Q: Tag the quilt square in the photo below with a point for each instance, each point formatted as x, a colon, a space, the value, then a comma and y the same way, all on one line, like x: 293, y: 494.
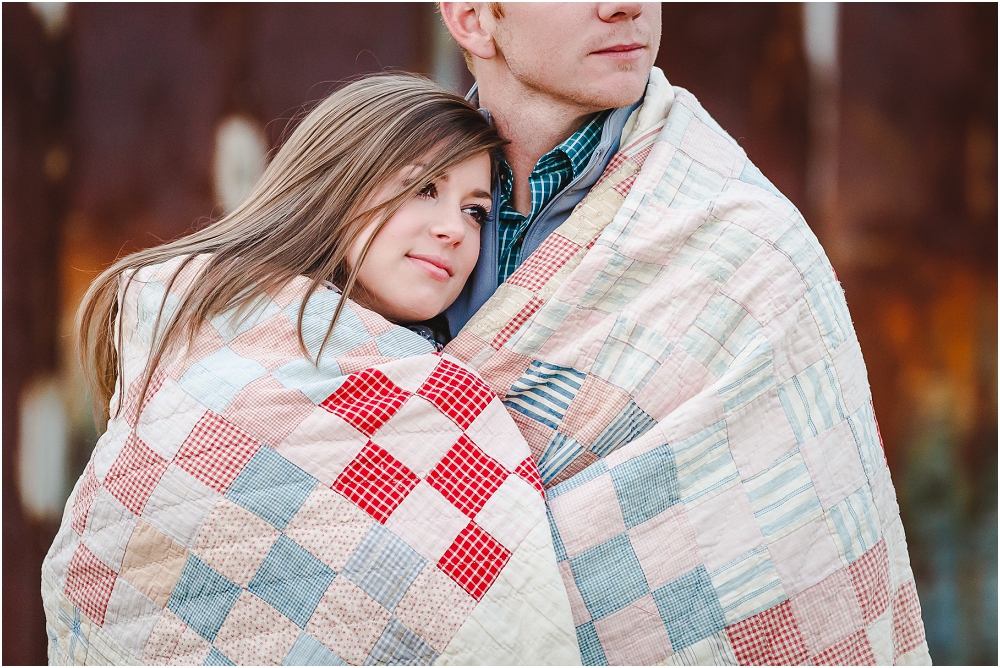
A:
x: 216, y: 379
x: 457, y: 392
x: 474, y: 560
x: 376, y: 481
x: 272, y: 342
x: 544, y: 392
x: 109, y: 525
x: 291, y: 580
x: 528, y: 472
x: 179, y: 505
x: 590, y: 645
x: 418, y: 435
x: 560, y: 453
x: 342, y: 443
x: 85, y: 492
x: 130, y: 617
x: 853, y: 651
x: 609, y: 576
x: 662, y: 563
x: 536, y: 434
x: 427, y: 521
x: 202, y: 598
x: 631, y: 355
x: 834, y: 464
x: 314, y: 382
x: 175, y: 643
x: 215, y: 452
x: 783, y: 497
x: 595, y: 406
x: 577, y: 466
x: 747, y: 585
x: 307, y: 651
x: 131, y: 408
x: 234, y: 542
x: 495, y: 436
x: 329, y: 526
x: 872, y: 581
x: 268, y: 411
x: 366, y: 400
x: 587, y: 515
x: 634, y: 636
x: 168, y: 419
x: 771, y: 638
x: 805, y: 557
x: 435, y: 607
x: 811, y: 401
x: 89, y: 583
x: 384, y: 566
x: 690, y: 608
x: 724, y: 527
x: 232, y: 322
x: 240, y: 637
x: 347, y: 621
x: 467, y: 476
x: 646, y: 485
x: 760, y: 436
x: 631, y: 423
x: 854, y: 524
x: 153, y: 577
x: 705, y: 464
x: 272, y: 487
x: 399, y: 646
x: 134, y: 474
x: 513, y: 511
x: 907, y: 625
x: 410, y: 373
x: 828, y: 612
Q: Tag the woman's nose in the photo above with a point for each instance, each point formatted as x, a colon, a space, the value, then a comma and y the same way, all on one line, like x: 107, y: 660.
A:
x: 450, y: 227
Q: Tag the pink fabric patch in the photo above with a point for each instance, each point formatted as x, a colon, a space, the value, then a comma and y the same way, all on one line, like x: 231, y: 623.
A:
x: 89, y: 583
x: 635, y: 635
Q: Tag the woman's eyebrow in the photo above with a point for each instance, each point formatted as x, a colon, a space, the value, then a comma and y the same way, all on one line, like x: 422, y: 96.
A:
x: 482, y: 193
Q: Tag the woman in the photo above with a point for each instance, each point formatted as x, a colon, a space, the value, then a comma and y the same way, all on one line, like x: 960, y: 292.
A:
x: 289, y: 475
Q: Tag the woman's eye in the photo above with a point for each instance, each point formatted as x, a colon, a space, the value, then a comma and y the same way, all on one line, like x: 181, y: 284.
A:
x: 478, y: 213
x: 429, y: 190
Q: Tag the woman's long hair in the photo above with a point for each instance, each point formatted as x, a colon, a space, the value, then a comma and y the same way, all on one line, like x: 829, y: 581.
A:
x: 301, y: 217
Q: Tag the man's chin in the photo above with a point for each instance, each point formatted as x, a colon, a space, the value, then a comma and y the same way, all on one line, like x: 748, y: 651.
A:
x: 620, y: 89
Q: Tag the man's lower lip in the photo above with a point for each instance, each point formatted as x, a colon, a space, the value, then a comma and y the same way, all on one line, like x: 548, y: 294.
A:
x: 630, y: 53
x: 434, y: 271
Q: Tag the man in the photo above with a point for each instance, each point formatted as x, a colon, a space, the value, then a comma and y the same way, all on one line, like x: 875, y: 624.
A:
x: 673, y: 344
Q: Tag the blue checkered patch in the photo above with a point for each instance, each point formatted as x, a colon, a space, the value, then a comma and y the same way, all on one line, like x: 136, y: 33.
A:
x: 590, y: 645
x: 399, y: 646
x: 217, y: 658
x: 272, y: 487
x: 383, y: 566
x: 307, y: 651
x: 203, y: 598
x: 557, y: 541
x: 646, y: 485
x: 689, y: 608
x: 609, y: 576
x: 216, y: 379
x: 292, y: 580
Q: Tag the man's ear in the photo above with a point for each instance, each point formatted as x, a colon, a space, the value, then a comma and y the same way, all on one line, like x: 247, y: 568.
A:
x: 470, y: 23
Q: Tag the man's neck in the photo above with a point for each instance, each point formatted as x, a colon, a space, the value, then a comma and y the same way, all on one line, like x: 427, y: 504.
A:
x: 534, y: 124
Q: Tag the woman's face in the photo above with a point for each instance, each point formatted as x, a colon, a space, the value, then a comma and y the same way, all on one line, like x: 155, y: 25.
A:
x: 419, y: 262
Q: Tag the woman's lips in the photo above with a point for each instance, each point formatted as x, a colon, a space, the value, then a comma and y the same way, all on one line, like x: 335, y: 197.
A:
x: 436, y: 267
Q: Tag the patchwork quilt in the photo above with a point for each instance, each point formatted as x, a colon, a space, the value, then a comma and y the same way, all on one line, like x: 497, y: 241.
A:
x: 377, y: 508
x: 680, y: 358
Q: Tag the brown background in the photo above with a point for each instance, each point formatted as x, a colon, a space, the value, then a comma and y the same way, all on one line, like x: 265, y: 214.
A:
x: 108, y: 140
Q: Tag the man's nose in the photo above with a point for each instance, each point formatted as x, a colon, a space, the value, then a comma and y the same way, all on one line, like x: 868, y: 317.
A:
x: 619, y: 11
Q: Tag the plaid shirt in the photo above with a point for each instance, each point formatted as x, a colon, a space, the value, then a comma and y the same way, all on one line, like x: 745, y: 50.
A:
x: 552, y: 173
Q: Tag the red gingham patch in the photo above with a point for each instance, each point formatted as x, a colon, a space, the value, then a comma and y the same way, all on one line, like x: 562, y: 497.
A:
x: 132, y: 398
x: 907, y: 625
x: 376, y: 481
x: 617, y: 161
x: 366, y: 400
x: 542, y: 265
x: 528, y: 310
x: 456, y: 392
x: 852, y: 651
x: 134, y: 474
x: 870, y: 575
x: 529, y: 473
x: 467, y: 476
x: 625, y: 185
x: 215, y: 452
x: 474, y: 560
x: 770, y: 638
x: 89, y: 583
x: 84, y: 497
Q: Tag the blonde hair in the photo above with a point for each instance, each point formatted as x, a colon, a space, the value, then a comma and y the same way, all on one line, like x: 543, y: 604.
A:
x: 308, y: 207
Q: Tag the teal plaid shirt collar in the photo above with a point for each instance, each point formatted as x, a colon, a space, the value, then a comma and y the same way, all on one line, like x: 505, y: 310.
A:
x: 552, y: 173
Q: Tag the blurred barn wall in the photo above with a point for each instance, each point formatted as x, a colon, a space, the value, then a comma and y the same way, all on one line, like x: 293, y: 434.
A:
x: 115, y: 134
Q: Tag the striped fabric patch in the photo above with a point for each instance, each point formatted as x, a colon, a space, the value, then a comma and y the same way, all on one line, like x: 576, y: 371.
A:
x: 544, y: 392
x: 854, y: 523
x: 705, y: 464
x: 747, y: 585
x: 811, y: 401
x: 633, y: 423
x: 783, y: 497
x: 561, y: 451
